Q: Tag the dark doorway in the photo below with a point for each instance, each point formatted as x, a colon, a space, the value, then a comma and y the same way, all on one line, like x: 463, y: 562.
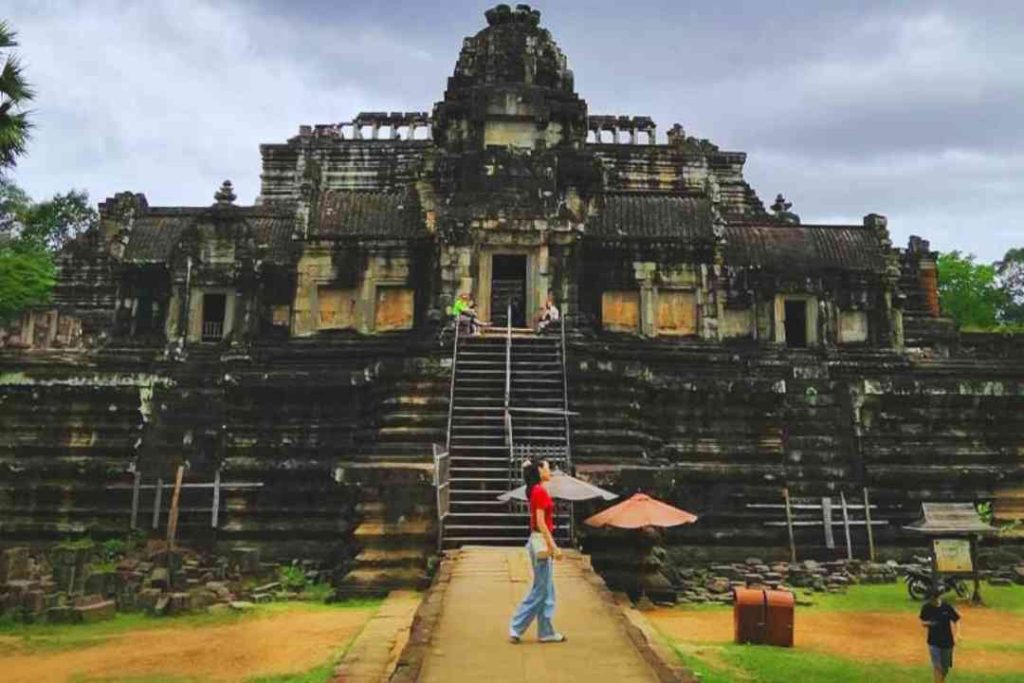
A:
x: 508, y: 286
x: 796, y: 324
x: 214, y: 306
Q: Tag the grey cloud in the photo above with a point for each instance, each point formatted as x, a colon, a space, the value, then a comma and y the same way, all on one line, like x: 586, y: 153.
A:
x: 909, y: 109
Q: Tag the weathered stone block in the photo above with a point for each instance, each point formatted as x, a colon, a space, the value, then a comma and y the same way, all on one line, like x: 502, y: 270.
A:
x: 245, y: 560
x: 160, y: 578
x: 14, y: 564
x: 103, y: 583
x: 97, y: 611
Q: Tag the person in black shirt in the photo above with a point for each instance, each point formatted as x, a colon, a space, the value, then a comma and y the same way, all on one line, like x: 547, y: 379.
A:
x: 943, y: 624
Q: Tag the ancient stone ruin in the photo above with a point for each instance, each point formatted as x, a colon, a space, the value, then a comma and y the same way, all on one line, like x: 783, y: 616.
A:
x: 297, y: 353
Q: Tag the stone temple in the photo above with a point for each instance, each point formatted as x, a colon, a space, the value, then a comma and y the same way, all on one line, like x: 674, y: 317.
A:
x: 297, y: 353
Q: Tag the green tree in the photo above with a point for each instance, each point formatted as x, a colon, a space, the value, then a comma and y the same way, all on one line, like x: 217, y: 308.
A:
x: 31, y: 233
x: 15, y: 93
x: 1010, y: 273
x: 54, y: 222
x: 969, y: 292
x: 27, y: 276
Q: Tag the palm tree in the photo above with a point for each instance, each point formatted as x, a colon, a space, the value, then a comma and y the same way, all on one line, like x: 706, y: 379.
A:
x: 14, y: 93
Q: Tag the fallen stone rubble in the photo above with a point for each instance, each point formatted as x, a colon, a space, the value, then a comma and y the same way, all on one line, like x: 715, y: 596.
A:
x: 716, y: 582
x: 72, y: 583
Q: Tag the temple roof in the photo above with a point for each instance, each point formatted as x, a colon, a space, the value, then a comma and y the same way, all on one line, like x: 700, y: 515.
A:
x: 153, y: 238
x: 512, y: 50
x: 637, y: 216
x: 156, y: 232
x: 781, y: 247
x: 382, y: 215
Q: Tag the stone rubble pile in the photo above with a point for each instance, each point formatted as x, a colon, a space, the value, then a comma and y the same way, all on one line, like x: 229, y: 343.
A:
x: 716, y: 582
x: 68, y: 584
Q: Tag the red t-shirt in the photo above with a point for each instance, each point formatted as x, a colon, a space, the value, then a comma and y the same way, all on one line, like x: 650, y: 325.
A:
x: 540, y: 500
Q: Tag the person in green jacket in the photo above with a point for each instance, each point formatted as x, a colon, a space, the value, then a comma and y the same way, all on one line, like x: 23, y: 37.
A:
x: 463, y: 311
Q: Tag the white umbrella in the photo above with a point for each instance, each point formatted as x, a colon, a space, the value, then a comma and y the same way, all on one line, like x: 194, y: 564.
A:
x: 564, y: 487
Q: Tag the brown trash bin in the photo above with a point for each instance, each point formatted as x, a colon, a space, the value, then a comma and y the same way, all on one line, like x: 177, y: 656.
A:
x: 779, y: 605
x: 763, y: 617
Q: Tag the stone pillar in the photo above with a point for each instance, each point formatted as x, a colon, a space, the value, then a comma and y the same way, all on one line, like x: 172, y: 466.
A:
x: 542, y: 282
x: 644, y: 272
x: 368, y: 297
x: 928, y: 277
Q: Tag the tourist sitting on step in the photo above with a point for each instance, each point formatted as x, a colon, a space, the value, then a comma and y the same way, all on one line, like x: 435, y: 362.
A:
x: 464, y: 311
x: 549, y: 314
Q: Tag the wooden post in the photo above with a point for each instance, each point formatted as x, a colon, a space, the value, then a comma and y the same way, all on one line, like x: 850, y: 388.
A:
x: 158, y: 494
x: 846, y: 525
x: 789, y: 526
x: 135, y: 499
x: 867, y: 518
x: 976, y: 597
x: 215, y: 512
x: 826, y: 518
x: 172, y: 516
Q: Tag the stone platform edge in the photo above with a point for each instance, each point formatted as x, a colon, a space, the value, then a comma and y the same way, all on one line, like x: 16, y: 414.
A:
x: 662, y: 660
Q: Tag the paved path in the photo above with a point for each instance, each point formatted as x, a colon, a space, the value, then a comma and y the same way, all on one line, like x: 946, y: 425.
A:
x: 470, y: 642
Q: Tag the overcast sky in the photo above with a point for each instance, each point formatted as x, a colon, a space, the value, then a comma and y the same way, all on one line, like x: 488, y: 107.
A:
x: 913, y: 110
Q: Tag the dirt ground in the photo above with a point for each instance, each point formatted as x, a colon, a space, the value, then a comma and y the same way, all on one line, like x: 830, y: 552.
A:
x: 261, y: 645
x: 895, y: 637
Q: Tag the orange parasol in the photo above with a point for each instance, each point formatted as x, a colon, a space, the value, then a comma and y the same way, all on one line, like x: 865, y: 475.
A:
x: 638, y: 511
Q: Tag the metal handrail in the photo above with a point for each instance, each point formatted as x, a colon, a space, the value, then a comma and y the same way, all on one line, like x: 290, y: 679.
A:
x: 568, y: 441
x: 508, y: 383
x: 565, y: 397
x: 451, y: 392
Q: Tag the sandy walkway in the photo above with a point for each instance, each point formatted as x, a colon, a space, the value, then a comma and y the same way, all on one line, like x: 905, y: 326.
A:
x: 869, y: 636
x: 260, y: 645
x: 471, y: 642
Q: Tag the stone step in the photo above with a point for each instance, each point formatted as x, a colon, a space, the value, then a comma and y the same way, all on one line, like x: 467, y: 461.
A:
x: 384, y: 579
x: 375, y: 558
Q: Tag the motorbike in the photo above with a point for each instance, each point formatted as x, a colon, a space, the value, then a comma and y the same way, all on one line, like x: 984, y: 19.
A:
x: 919, y: 584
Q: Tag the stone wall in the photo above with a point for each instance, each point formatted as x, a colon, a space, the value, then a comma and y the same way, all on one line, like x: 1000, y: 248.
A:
x: 338, y: 433
x: 713, y: 429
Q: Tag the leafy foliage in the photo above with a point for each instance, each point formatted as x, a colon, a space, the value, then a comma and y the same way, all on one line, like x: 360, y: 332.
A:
x: 14, y: 94
x: 1010, y: 272
x: 969, y: 292
x: 27, y: 276
x: 48, y: 224
x: 30, y: 234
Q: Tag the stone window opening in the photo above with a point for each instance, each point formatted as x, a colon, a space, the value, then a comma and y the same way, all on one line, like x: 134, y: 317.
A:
x: 148, y: 314
x: 214, y: 310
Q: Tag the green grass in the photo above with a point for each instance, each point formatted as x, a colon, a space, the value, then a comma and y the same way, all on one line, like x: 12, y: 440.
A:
x: 318, y: 674
x: 54, y: 637
x: 729, y: 663
x: 759, y: 664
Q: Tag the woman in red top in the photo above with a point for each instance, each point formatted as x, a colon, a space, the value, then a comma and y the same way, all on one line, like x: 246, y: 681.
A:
x: 539, y: 603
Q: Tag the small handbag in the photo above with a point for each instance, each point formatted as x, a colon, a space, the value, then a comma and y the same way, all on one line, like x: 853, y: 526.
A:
x: 539, y: 546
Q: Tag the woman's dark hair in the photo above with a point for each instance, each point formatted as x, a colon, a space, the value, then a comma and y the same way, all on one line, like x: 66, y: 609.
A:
x: 531, y: 475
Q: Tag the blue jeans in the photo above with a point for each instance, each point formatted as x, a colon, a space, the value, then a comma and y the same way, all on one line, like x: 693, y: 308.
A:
x: 539, y: 603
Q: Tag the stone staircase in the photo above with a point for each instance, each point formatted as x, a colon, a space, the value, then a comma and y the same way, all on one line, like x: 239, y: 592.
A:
x: 482, y: 463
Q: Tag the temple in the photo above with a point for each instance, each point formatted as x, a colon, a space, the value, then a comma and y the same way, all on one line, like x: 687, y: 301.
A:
x: 715, y: 350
